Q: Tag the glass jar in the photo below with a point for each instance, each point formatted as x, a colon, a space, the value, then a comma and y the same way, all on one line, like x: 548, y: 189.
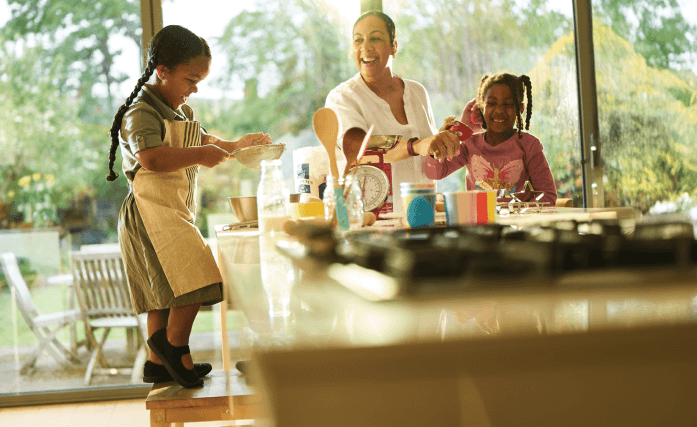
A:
x: 334, y: 203
x: 354, y: 202
x: 272, y: 198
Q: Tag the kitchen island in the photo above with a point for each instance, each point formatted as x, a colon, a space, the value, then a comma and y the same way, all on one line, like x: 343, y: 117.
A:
x: 330, y: 346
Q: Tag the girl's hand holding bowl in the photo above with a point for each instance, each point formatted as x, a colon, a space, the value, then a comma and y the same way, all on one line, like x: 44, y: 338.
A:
x: 250, y: 139
x: 212, y: 155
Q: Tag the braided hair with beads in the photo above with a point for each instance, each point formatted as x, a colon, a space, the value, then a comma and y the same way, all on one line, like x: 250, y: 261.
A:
x: 519, y: 85
x: 172, y: 46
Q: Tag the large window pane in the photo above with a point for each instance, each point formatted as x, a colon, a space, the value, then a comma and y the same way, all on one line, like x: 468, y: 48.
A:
x: 274, y: 62
x: 646, y: 73
x: 449, y: 46
x: 62, y: 69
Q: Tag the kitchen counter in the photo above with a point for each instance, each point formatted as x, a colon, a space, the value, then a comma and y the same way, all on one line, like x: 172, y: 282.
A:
x: 308, y: 299
x: 300, y: 314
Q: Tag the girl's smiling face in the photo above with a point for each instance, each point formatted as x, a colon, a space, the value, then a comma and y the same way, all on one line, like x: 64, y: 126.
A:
x: 499, y: 109
x: 175, y: 86
x: 372, y: 50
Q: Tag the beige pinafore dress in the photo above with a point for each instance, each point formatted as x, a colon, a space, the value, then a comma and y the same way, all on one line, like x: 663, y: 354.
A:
x: 168, y: 262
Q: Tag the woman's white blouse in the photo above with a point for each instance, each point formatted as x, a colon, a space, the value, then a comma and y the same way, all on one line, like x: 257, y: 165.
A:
x: 358, y: 106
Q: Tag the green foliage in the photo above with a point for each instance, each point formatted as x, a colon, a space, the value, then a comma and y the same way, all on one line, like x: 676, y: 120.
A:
x: 656, y: 28
x: 449, y: 48
x: 76, y: 36
x: 296, y: 49
x: 28, y: 273
x: 647, y: 129
x: 51, y: 122
x: 649, y: 150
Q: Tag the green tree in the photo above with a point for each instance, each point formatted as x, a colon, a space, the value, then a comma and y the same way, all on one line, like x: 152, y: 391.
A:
x: 647, y: 128
x: 450, y: 48
x: 53, y: 55
x: 42, y: 134
x: 656, y: 28
x: 77, y: 34
x: 296, y: 50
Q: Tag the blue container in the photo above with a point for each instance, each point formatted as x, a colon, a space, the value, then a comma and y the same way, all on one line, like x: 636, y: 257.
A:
x: 419, y: 204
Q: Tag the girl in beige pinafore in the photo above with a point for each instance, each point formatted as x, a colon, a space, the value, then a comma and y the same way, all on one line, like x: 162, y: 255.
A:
x: 170, y: 269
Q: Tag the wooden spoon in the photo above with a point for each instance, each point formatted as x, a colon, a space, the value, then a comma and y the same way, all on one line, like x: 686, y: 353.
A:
x: 326, y: 126
x: 359, y: 156
x: 352, y: 144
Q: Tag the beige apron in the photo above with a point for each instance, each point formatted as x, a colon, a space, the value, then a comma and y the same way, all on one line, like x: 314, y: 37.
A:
x: 167, y: 204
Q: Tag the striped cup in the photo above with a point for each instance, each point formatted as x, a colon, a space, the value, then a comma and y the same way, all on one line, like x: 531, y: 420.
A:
x: 470, y: 207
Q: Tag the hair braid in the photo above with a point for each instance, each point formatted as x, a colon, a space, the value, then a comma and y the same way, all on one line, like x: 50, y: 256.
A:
x: 483, y: 87
x: 528, y: 93
x: 518, y: 117
x: 118, y: 118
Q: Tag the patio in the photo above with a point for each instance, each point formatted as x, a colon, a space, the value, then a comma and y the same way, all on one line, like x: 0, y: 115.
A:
x: 47, y: 375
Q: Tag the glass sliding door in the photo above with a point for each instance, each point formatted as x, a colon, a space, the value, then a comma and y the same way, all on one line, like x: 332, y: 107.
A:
x: 646, y: 74
x: 65, y: 67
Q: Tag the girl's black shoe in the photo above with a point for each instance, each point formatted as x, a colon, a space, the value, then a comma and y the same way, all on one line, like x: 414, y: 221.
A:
x: 171, y: 357
x: 154, y: 373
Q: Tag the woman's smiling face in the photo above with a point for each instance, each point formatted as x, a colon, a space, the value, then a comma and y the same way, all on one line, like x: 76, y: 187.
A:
x: 499, y: 108
x: 372, y: 49
x: 177, y: 85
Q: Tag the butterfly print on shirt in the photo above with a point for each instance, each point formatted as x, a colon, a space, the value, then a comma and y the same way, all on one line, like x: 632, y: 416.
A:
x: 488, y: 177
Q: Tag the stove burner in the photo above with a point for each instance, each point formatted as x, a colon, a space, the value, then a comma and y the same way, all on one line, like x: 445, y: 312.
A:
x: 503, y: 255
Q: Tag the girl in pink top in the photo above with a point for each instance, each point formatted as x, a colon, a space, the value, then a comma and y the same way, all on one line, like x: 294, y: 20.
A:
x: 504, y: 156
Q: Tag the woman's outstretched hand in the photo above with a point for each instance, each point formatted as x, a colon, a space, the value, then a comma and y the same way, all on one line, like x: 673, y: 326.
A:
x: 472, y: 117
x: 443, y: 145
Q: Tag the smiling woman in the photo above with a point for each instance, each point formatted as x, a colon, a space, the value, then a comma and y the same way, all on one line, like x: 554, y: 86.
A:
x: 393, y: 104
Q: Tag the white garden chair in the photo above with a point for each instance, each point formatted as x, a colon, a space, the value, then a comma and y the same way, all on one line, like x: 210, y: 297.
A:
x: 102, y: 290
x: 44, y: 326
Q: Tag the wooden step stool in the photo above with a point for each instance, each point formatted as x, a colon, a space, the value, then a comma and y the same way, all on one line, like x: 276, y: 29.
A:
x: 173, y: 405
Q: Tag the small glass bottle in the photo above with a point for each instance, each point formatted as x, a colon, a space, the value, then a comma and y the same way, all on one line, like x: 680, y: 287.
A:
x: 272, y: 198
x: 334, y: 202
x: 354, y: 202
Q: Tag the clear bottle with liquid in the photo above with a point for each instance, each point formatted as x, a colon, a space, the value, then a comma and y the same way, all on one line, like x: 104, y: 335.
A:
x: 272, y: 198
x: 354, y: 202
x: 335, y: 203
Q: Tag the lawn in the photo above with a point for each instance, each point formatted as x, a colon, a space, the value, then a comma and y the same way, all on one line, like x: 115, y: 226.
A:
x: 49, y: 299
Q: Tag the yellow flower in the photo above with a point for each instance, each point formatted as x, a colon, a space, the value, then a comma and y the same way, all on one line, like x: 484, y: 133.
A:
x: 10, y: 194
x: 36, y: 176
x: 25, y: 180
x: 50, y: 180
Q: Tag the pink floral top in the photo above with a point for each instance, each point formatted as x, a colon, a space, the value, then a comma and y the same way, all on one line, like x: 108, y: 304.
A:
x: 507, y: 165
